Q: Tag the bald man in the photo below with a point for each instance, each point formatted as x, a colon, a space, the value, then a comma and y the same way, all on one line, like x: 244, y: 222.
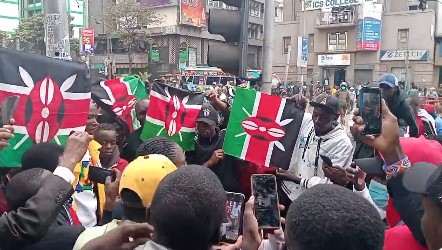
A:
x: 134, y: 140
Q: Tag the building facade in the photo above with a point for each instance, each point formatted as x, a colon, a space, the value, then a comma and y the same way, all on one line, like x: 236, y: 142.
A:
x: 180, y: 40
x: 9, y: 15
x: 12, y: 11
x: 358, y: 43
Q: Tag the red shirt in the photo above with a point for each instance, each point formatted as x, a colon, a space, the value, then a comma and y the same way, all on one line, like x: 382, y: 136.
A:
x: 120, y: 165
x: 400, y: 237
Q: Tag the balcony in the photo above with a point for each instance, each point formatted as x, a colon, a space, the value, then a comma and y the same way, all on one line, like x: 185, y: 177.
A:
x: 339, y: 18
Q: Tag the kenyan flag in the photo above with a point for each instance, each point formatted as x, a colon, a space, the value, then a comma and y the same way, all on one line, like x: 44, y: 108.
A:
x: 262, y: 128
x: 119, y: 97
x: 172, y: 113
x: 54, y: 100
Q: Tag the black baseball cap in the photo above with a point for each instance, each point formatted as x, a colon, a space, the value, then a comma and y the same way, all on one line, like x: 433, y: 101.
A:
x: 327, y: 101
x: 208, y: 115
x: 425, y: 178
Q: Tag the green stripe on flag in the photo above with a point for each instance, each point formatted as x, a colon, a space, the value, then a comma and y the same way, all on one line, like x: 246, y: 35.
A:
x: 242, y: 108
x: 11, y: 156
x: 186, y: 140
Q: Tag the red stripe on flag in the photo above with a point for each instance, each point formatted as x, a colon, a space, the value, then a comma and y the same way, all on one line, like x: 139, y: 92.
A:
x: 157, y: 110
x: 117, y: 87
x: 268, y: 108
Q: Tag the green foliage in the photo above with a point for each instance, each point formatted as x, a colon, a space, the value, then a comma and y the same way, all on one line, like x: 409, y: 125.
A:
x: 130, y: 20
x: 75, y: 46
x: 32, y: 30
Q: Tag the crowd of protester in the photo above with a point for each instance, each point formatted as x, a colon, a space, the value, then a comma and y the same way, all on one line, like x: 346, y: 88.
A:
x: 382, y: 192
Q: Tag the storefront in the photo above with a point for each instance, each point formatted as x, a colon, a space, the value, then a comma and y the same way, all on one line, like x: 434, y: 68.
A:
x: 334, y: 67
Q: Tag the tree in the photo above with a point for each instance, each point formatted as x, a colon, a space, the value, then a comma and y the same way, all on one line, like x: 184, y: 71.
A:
x: 32, y: 30
x: 129, y: 19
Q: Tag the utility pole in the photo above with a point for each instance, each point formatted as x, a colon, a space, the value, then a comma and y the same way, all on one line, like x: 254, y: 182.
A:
x: 407, y: 73
x: 244, y: 42
x: 57, y: 29
x: 269, y: 20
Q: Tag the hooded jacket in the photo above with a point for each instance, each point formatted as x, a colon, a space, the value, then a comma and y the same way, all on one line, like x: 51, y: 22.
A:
x: 306, y: 161
x: 400, y: 107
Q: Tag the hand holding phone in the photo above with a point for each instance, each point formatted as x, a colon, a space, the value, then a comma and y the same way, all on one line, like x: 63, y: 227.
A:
x: 370, y: 109
x: 266, y: 201
x: 326, y: 160
x: 99, y: 175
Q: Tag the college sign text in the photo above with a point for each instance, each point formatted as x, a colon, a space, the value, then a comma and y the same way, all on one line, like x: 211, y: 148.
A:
x: 325, y: 4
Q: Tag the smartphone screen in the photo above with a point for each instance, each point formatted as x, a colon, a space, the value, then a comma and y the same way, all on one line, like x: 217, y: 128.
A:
x: 232, y: 223
x: 370, y: 110
x: 266, y: 201
x: 326, y: 160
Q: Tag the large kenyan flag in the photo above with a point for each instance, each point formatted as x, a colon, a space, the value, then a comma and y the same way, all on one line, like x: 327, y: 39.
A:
x: 119, y: 96
x: 262, y: 128
x: 172, y: 113
x: 54, y: 100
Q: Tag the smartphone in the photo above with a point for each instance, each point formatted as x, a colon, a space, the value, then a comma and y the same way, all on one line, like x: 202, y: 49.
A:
x: 8, y: 108
x: 266, y: 201
x: 327, y: 161
x: 99, y: 175
x: 230, y: 228
x: 370, y: 109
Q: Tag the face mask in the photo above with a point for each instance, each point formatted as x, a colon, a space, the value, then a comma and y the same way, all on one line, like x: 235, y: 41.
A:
x: 379, y: 194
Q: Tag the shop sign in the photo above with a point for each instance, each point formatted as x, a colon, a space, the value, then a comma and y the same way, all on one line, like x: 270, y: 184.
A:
x: 402, y: 55
x: 334, y: 60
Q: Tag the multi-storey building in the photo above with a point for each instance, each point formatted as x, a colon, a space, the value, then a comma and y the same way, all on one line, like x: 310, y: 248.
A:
x: 9, y: 15
x: 344, y: 43
x: 182, y: 30
x: 12, y: 11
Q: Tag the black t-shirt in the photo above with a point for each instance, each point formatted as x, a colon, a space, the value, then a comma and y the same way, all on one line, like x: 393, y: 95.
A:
x: 225, y: 169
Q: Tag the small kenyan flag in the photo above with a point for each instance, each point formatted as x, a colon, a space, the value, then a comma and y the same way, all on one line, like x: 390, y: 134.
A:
x: 172, y: 113
x: 262, y: 128
x: 119, y: 96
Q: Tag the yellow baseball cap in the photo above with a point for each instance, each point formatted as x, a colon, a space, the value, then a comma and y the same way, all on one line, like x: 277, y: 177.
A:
x: 143, y: 175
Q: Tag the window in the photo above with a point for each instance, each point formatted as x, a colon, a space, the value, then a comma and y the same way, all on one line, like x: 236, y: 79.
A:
x: 209, y: 2
x: 311, y: 43
x: 256, y: 32
x: 413, y: 7
x: 337, y: 41
x: 256, y: 9
x: 402, y: 38
x: 286, y: 42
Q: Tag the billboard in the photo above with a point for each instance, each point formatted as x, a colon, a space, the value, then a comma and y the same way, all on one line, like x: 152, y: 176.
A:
x: 327, y: 4
x: 152, y: 3
x: 193, y: 13
x: 301, y: 60
x: 87, y: 41
x: 369, y: 27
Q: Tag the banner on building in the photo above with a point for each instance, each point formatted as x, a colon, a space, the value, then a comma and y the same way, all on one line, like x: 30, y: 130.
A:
x: 401, y: 55
x: 334, y: 60
x: 152, y: 3
x: 301, y: 60
x: 369, y: 27
x: 193, y: 13
x: 326, y: 4
x: 87, y: 41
